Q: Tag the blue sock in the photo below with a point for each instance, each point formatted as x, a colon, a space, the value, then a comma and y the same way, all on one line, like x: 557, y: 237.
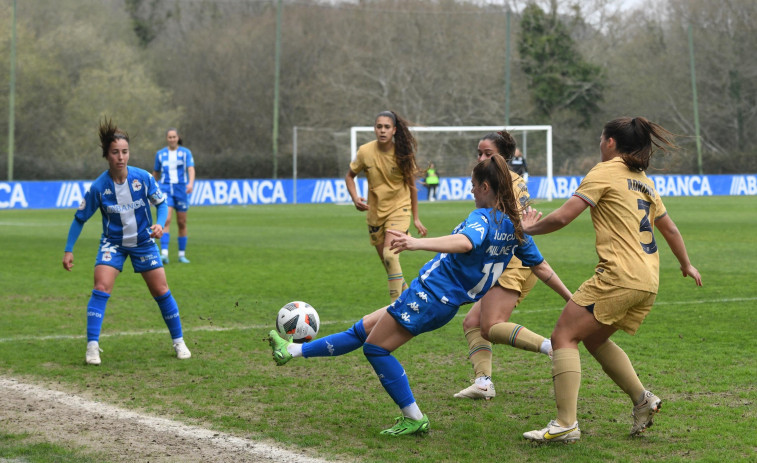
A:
x: 390, y: 373
x: 170, y: 310
x: 164, y: 240
x: 336, y: 344
x: 95, y: 314
x: 182, y: 243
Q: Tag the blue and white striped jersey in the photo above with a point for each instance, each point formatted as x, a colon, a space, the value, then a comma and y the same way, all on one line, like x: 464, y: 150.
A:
x: 173, y: 165
x: 125, y: 207
x: 462, y: 278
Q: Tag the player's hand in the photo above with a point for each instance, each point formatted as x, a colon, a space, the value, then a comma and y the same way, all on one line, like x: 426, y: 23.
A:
x: 190, y: 187
x: 157, y: 231
x: 401, y: 241
x: 529, y: 218
x: 68, y: 260
x: 421, y: 229
x: 691, y: 271
x: 360, y: 204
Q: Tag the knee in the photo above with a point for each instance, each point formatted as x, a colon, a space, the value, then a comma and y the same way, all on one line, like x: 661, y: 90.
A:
x: 469, y: 322
x: 372, y: 351
x: 391, y: 260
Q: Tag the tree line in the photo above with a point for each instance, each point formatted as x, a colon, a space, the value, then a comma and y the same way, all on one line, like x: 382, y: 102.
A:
x: 207, y: 68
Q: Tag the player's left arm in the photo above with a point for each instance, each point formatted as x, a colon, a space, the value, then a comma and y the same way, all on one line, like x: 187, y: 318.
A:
x: 191, y: 182
x: 674, y: 239
x: 414, y: 210
x: 550, y: 278
x: 452, y: 244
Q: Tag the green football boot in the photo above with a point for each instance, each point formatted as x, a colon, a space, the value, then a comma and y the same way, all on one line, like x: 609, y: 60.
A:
x: 279, y: 346
x: 406, y: 426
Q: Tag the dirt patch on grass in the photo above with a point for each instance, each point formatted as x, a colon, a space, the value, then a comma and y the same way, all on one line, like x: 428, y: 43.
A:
x: 121, y: 435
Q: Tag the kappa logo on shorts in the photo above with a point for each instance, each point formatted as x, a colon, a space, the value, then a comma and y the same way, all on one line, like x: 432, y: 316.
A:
x: 422, y: 295
x: 414, y: 306
x: 405, y: 317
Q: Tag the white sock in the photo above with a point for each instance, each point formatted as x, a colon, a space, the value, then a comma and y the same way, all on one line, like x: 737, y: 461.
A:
x: 484, y: 381
x: 546, y: 346
x: 178, y: 340
x: 412, y: 411
x: 181, y: 253
x: 295, y: 349
x: 164, y: 252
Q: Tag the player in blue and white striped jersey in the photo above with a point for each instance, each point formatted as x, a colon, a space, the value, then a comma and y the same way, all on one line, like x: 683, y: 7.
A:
x: 468, y: 263
x: 175, y: 169
x: 124, y: 195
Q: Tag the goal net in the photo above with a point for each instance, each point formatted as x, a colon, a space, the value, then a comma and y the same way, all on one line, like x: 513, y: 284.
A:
x: 452, y: 149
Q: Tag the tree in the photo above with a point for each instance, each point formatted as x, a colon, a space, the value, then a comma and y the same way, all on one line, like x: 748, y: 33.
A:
x: 559, y: 77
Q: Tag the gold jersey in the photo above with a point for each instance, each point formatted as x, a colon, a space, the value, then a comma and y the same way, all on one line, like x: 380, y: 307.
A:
x: 624, y: 205
x: 520, y: 188
x: 387, y: 191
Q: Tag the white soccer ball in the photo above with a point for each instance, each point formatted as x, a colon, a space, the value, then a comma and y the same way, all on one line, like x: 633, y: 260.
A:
x: 299, y: 320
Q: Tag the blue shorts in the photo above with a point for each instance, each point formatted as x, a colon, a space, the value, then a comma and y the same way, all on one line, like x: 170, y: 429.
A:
x: 176, y: 196
x: 420, y: 311
x: 143, y: 258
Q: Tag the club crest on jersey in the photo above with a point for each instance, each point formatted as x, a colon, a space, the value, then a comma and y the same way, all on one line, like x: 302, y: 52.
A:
x: 136, y: 185
x: 82, y: 204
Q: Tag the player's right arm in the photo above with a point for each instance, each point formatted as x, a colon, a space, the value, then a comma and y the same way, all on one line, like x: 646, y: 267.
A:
x: 556, y: 220
x: 73, y: 234
x: 452, y: 244
x: 358, y: 201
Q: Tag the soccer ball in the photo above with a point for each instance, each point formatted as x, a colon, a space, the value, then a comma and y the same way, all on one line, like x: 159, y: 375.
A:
x: 299, y: 320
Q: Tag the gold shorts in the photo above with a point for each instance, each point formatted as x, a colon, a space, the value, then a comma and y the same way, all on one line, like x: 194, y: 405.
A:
x: 517, y: 279
x: 620, y: 307
x: 398, y: 220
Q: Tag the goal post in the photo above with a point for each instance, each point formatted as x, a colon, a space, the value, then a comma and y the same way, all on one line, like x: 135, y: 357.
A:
x: 513, y: 129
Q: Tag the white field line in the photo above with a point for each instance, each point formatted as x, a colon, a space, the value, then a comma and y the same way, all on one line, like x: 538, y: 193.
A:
x: 334, y: 322
x: 218, y: 439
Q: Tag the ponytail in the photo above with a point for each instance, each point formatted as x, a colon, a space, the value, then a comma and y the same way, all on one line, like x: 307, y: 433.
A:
x: 638, y: 139
x: 495, y: 172
x: 109, y: 133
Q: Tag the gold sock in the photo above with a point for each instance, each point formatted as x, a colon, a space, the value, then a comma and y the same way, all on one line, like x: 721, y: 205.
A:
x: 479, y: 352
x: 395, y: 280
x: 516, y: 336
x: 618, y: 367
x: 566, y: 376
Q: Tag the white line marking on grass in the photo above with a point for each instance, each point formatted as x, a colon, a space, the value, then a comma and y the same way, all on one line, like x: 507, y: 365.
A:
x: 323, y: 323
x: 215, y: 438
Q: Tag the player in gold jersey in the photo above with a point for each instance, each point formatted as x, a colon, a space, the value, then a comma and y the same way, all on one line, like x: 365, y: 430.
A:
x: 389, y: 166
x: 488, y: 321
x: 625, y: 209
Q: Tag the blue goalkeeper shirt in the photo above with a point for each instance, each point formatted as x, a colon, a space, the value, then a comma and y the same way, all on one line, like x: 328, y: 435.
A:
x: 462, y: 278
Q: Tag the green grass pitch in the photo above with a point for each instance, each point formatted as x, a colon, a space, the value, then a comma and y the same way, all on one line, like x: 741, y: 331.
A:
x: 696, y: 350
